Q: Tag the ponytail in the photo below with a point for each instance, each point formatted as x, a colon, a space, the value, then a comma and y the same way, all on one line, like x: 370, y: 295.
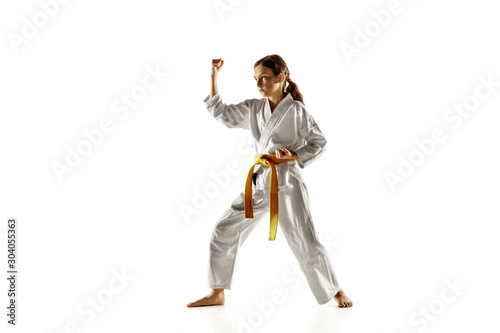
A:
x: 293, y: 88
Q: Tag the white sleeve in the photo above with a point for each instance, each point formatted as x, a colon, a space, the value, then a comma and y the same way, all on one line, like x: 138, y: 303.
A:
x: 232, y: 115
x: 315, y: 141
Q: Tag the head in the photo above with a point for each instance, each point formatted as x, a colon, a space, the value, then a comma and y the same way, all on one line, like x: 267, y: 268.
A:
x: 271, y: 74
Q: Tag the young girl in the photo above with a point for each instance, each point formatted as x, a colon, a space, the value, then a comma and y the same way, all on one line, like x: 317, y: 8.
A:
x: 287, y: 139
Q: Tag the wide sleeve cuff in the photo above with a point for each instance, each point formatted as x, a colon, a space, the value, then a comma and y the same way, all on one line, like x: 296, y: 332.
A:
x: 300, y: 157
x: 211, y: 102
x: 309, y: 153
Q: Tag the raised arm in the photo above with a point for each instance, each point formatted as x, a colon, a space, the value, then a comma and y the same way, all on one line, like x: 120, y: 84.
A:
x: 216, y: 67
x: 230, y: 115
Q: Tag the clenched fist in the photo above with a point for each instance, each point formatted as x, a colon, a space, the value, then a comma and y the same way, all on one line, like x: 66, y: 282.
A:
x: 216, y: 66
x: 285, y: 154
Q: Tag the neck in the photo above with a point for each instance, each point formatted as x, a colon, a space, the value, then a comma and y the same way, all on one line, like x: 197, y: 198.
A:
x: 275, y: 99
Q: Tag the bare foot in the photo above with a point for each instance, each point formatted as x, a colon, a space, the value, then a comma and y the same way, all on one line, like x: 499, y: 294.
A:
x: 343, y: 300
x: 216, y: 297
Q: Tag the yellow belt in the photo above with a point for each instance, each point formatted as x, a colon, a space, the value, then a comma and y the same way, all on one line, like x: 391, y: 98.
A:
x: 266, y: 160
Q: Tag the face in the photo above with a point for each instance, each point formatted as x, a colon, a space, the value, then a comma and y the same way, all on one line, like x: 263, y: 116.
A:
x: 268, y: 84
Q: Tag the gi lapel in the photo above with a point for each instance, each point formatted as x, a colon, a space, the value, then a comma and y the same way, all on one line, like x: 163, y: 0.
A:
x: 274, y: 120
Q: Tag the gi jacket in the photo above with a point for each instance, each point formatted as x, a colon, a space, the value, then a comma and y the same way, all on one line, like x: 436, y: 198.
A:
x: 289, y: 126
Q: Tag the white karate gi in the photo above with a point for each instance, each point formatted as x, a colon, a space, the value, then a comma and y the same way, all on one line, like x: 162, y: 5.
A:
x: 289, y: 126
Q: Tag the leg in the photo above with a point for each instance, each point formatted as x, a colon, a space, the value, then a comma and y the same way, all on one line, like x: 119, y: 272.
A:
x: 296, y: 223
x: 228, y: 235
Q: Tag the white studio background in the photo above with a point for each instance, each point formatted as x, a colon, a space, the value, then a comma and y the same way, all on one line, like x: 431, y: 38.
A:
x: 427, y: 73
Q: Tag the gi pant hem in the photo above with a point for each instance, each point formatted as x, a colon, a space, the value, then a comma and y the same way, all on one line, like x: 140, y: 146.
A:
x: 329, y: 298
x: 221, y: 287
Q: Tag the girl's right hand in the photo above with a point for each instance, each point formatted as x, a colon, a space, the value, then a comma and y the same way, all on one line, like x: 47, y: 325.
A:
x: 216, y: 66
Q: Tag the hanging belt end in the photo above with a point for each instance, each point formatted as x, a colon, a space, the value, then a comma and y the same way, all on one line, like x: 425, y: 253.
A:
x: 249, y: 212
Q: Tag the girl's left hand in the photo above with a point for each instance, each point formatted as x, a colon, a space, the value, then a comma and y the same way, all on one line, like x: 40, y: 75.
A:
x: 285, y: 154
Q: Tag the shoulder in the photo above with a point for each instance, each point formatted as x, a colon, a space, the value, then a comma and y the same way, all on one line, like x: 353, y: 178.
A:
x: 302, y: 114
x: 300, y: 110
x: 299, y: 105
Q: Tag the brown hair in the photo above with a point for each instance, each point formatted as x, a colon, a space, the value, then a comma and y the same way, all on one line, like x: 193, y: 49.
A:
x: 278, y: 65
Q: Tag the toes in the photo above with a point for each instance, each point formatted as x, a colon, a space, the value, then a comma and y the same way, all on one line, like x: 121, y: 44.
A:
x: 345, y: 304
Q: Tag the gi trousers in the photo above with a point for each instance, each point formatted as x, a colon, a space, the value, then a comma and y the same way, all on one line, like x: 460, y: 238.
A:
x: 294, y: 220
